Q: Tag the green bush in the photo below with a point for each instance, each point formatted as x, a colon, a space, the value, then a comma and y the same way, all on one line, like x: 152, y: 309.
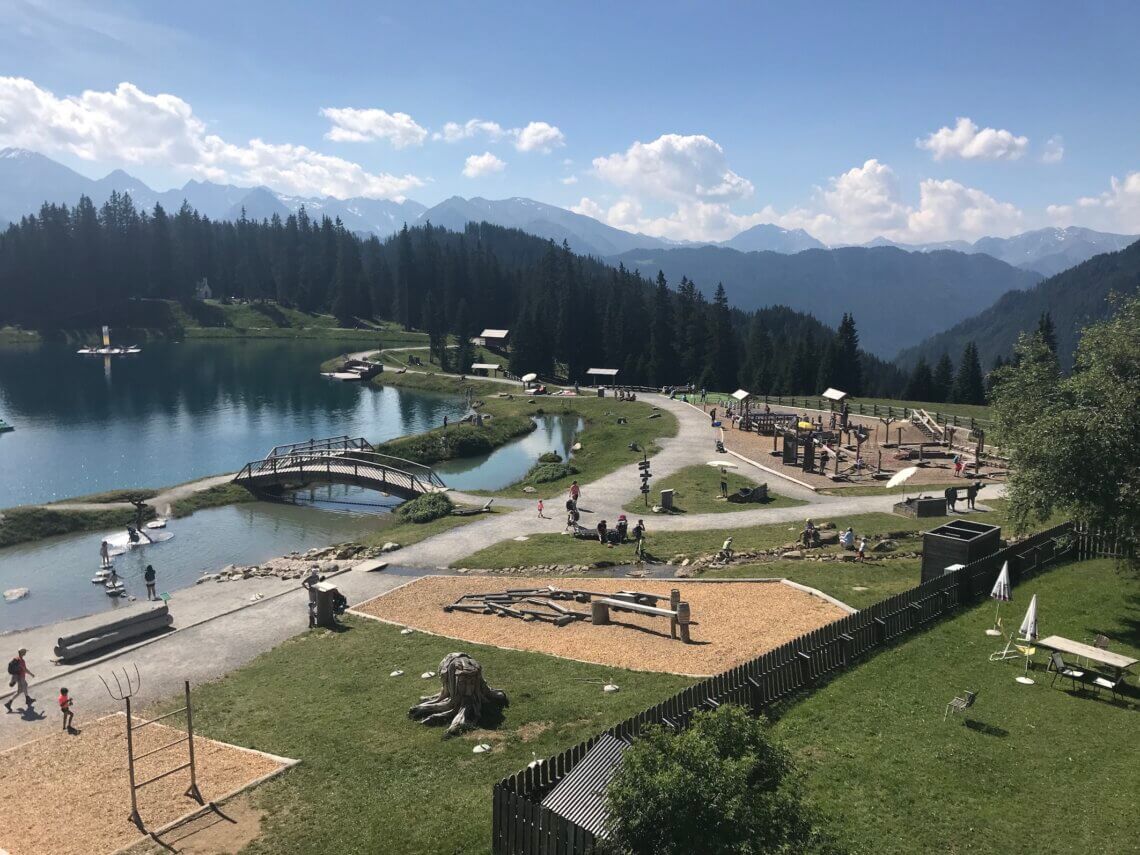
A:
x: 550, y: 457
x: 425, y: 508
x: 721, y: 786
x: 544, y: 473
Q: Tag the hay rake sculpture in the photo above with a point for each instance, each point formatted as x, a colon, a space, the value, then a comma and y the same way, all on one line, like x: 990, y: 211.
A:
x: 124, y: 694
x: 461, y: 698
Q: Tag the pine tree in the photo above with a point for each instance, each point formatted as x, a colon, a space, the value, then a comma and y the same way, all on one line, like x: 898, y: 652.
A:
x: 943, y: 380
x: 848, y: 360
x: 920, y: 386
x: 722, y: 353
x: 1047, y: 332
x: 969, y: 385
x: 662, y: 353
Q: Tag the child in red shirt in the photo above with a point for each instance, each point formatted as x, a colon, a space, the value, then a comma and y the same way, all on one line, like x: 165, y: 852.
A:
x: 65, y: 703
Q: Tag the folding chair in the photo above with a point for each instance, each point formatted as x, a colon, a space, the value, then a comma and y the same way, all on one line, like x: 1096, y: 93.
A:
x: 1098, y: 682
x: 960, y: 703
x: 1057, y: 662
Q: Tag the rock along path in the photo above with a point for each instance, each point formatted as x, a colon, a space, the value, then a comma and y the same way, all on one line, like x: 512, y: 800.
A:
x: 219, y: 627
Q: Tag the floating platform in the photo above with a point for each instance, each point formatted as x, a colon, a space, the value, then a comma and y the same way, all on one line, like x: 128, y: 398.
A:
x: 109, y: 351
x: 5, y: 427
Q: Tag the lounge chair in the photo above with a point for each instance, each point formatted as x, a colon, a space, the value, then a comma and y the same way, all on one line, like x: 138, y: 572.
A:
x: 960, y: 703
x: 1060, y: 669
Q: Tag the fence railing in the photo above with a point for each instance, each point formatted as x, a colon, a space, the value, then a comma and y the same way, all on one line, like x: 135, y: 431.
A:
x: 522, y: 826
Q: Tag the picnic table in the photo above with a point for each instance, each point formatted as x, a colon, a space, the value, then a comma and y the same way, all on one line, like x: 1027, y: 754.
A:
x: 1086, y: 651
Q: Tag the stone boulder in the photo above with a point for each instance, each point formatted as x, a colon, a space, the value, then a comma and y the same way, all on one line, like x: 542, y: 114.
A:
x: 885, y: 546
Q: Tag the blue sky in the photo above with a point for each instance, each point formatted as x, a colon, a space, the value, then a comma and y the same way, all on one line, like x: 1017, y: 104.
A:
x: 687, y: 120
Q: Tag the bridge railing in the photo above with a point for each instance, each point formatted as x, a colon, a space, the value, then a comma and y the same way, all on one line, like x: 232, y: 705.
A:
x: 361, y: 466
x: 343, y: 444
x: 421, y: 470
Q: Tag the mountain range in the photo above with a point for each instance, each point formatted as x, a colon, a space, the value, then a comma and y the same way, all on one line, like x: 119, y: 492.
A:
x: 1073, y: 298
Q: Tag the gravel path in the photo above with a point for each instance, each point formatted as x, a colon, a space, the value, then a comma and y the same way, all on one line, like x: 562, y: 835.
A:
x: 161, y: 502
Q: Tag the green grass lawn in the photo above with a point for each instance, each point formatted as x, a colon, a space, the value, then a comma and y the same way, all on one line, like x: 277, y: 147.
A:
x: 880, y: 490
x: 670, y: 545
x: 697, y: 491
x: 371, y: 779
x: 1027, y: 769
x: 407, y: 533
x: 33, y: 522
x: 877, y: 578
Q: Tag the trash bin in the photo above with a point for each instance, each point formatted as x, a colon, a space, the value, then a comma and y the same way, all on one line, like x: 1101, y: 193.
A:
x: 601, y: 392
x: 326, y: 594
x: 667, y: 499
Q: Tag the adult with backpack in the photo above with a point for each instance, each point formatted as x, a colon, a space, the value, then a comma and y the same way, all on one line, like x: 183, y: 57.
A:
x: 18, y: 675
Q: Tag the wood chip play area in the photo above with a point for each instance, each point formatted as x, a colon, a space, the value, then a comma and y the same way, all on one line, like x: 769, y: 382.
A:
x: 732, y: 622
x: 69, y: 794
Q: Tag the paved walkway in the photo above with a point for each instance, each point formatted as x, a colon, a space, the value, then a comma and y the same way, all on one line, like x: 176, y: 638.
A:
x: 219, y: 628
x: 162, y: 501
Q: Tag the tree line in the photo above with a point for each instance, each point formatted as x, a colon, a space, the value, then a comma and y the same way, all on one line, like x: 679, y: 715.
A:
x: 82, y: 266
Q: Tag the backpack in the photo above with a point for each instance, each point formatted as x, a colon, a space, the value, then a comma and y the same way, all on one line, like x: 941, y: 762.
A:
x: 14, y: 667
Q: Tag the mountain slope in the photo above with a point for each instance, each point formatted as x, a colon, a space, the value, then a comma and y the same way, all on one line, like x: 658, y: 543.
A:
x: 1074, y: 298
x: 898, y: 298
x: 767, y: 237
x: 585, y: 235
x: 1045, y: 251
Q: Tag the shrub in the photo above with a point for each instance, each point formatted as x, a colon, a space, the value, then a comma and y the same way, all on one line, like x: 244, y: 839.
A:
x: 425, y: 508
x: 719, y: 787
x: 550, y: 457
x: 544, y: 473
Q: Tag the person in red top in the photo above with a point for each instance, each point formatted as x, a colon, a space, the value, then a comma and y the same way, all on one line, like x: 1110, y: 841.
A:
x: 575, y: 492
x: 65, y: 703
x: 18, y: 676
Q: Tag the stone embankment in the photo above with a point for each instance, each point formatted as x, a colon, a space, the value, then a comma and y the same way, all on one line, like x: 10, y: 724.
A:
x: 296, y: 565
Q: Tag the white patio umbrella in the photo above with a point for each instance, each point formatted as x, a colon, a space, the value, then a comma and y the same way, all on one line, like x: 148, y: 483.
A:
x: 723, y: 464
x: 1003, y: 593
x: 902, y: 476
x: 1028, y: 631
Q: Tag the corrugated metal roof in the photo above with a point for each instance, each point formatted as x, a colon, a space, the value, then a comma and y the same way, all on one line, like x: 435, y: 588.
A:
x: 581, y: 796
x: 495, y: 333
x: 607, y: 372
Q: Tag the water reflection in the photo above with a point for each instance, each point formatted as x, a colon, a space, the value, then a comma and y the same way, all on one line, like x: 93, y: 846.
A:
x: 177, y: 412
x: 508, y: 464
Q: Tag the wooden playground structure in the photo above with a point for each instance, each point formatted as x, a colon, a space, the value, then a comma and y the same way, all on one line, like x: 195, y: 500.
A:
x: 546, y: 605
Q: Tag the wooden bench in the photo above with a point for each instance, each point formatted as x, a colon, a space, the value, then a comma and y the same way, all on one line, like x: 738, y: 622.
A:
x: 678, y: 612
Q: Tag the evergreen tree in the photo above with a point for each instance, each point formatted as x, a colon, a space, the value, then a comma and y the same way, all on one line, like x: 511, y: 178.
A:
x: 943, y: 380
x: 662, y: 353
x: 1047, y: 332
x: 920, y: 386
x: 969, y: 385
x: 848, y: 359
x: 722, y: 352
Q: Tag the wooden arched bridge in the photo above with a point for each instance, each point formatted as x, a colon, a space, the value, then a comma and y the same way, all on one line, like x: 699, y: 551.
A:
x: 338, y: 460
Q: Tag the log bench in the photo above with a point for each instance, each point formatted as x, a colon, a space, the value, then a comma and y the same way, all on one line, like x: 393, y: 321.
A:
x: 678, y: 613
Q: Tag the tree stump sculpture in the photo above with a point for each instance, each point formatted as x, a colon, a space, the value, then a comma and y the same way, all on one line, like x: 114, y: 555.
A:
x: 462, y: 697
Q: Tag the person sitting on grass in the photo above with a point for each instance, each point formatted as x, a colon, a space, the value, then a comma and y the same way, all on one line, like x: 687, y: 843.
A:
x: 602, y: 532
x: 65, y: 702
x: 847, y: 539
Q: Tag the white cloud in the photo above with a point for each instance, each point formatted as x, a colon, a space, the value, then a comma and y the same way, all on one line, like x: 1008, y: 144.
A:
x: 867, y: 197
x: 1054, y: 150
x: 676, y: 168
x: 536, y: 136
x: 1117, y: 209
x: 951, y: 211
x: 352, y: 125
x: 688, y: 221
x: 131, y: 126
x: 454, y: 132
x: 966, y: 141
x: 569, y: 179
x: 478, y: 165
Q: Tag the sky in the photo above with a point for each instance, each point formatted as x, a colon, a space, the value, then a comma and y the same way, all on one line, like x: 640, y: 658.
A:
x: 686, y: 120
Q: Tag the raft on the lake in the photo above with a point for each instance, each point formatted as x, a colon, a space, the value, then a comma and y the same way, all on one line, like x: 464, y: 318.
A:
x: 99, y: 633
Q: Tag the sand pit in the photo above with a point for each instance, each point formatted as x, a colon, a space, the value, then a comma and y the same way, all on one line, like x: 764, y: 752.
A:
x: 68, y: 795
x: 736, y: 621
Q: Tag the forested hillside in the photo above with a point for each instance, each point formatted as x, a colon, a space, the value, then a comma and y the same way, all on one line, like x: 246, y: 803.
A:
x: 1072, y: 300
x: 83, y: 266
x: 901, y: 297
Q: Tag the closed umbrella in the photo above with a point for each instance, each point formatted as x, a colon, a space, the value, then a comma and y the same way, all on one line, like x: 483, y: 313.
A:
x: 1003, y: 593
x: 1028, y: 632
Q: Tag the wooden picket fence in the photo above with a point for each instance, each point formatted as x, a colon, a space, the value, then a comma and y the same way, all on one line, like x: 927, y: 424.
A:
x: 522, y: 826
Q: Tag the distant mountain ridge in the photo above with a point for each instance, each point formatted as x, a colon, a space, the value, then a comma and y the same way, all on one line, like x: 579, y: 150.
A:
x: 1046, y: 251
x: 898, y: 298
x: 1073, y: 298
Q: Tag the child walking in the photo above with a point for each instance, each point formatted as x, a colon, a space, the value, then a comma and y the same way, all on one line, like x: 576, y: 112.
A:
x: 861, y: 552
x: 65, y: 703
x: 541, y: 515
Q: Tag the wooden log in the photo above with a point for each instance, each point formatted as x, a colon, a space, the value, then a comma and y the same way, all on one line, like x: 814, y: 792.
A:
x: 599, y: 613
x: 683, y: 619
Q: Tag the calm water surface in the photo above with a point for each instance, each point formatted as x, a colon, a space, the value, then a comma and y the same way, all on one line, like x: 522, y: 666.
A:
x: 507, y: 464
x: 177, y: 412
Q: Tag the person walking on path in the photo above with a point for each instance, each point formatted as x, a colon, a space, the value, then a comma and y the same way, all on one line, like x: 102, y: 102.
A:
x: 957, y: 465
x: 309, y: 584
x: 861, y: 552
x: 712, y: 416
x: 65, y: 702
x: 541, y: 515
x: 104, y: 555
x: 951, y: 498
x: 575, y: 492
x: 972, y: 494
x: 18, y: 675
x: 148, y: 577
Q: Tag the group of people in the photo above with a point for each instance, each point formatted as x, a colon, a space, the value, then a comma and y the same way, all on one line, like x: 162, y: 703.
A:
x: 18, y: 674
x: 610, y: 537
x: 113, y: 580
x: 810, y: 538
x: 972, y: 491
